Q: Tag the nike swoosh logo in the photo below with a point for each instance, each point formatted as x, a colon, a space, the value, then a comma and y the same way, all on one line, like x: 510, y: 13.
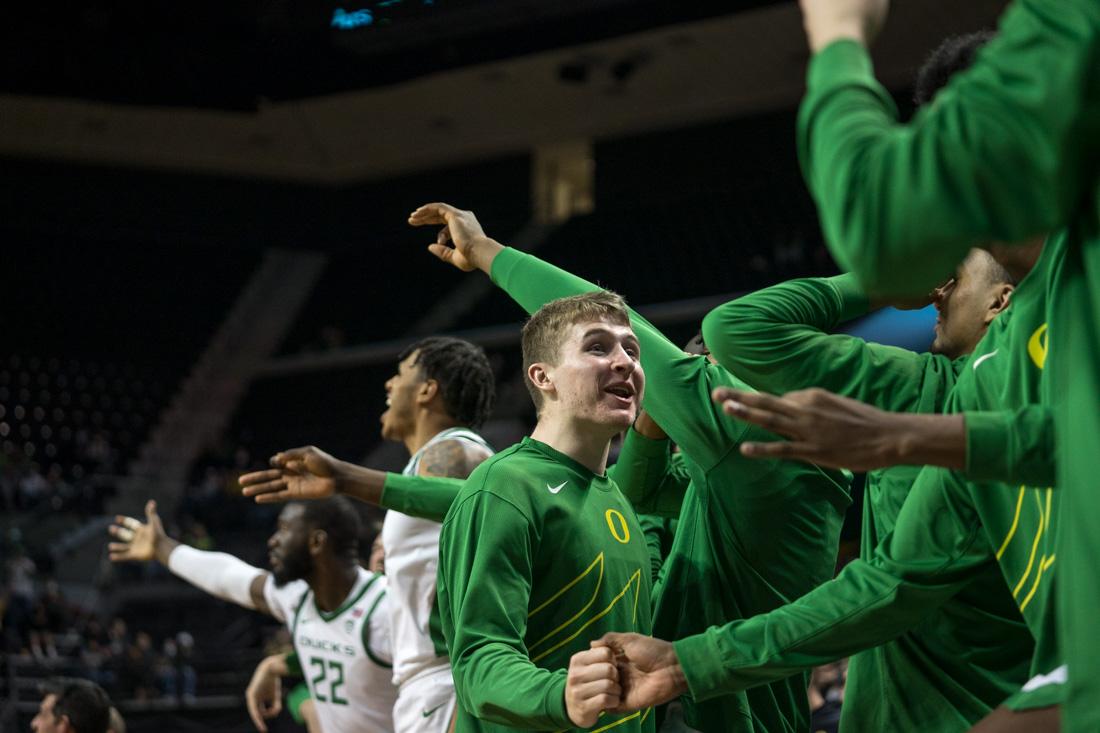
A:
x: 428, y: 713
x: 980, y: 359
x: 556, y: 489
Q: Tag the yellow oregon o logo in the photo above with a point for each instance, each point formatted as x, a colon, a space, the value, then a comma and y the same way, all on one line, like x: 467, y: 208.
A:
x: 1037, y: 346
x: 614, y: 516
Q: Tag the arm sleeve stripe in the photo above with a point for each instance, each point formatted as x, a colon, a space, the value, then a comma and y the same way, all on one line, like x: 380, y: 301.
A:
x: 297, y: 613
x: 366, y: 633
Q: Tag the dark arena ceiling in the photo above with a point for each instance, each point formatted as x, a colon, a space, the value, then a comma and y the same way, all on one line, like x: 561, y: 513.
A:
x: 335, y: 92
x: 232, y: 55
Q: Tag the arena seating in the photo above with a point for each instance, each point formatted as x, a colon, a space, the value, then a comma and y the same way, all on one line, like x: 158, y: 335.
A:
x: 77, y: 398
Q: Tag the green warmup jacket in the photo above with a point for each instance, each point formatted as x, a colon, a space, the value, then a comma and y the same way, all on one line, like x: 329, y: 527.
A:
x: 537, y: 557
x: 946, y: 673
x: 430, y: 497
x: 1009, y: 150
x: 949, y: 532
x: 752, y: 535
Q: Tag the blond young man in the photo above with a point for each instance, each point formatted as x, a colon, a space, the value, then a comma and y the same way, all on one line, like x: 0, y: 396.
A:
x: 540, y: 550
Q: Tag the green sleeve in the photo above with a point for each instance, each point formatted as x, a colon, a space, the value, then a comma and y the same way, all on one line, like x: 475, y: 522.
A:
x: 936, y: 548
x: 999, y: 155
x: 678, y: 385
x: 426, y: 497
x: 777, y: 339
x: 484, y: 591
x: 657, y: 537
x: 1012, y: 446
x: 297, y: 697
x: 650, y: 475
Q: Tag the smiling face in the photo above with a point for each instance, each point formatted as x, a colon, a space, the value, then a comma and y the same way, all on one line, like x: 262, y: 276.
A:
x: 288, y: 547
x: 597, y: 378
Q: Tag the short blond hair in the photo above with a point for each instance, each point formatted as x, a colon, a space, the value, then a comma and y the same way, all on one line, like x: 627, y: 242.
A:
x: 546, y: 330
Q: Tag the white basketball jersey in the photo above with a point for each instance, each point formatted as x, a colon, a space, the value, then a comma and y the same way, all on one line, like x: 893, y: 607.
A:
x: 345, y: 655
x: 412, y: 557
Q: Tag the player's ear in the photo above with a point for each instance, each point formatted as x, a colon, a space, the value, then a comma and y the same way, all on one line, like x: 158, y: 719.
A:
x: 539, y: 374
x: 429, y: 388
x: 1001, y: 297
x: 317, y: 540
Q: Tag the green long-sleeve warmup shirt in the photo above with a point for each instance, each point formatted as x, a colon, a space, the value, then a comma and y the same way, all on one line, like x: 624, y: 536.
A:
x: 429, y: 497
x: 537, y: 557
x: 752, y: 535
x: 943, y: 674
x: 1010, y: 149
x: 948, y: 533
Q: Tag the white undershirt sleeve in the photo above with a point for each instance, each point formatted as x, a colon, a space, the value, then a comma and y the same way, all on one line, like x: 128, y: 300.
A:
x: 217, y: 573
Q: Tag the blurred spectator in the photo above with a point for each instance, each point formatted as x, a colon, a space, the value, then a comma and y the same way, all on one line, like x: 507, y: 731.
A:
x: 25, y: 488
x: 100, y: 453
x: 213, y: 498
x: 54, y: 608
x: 41, y: 627
x: 94, y: 631
x: 197, y: 536
x: 20, y: 571
x: 61, y: 493
x: 33, y: 489
x: 138, y: 669
x: 43, y: 649
x: 177, y: 676
x: 49, y: 619
x: 118, y: 637
x: 95, y: 658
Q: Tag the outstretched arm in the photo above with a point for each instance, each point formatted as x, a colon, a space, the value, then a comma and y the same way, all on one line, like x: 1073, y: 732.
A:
x: 780, y: 339
x: 217, y: 573
x: 674, y: 379
x: 1012, y: 446
x: 310, y: 473
x: 1002, y: 154
x: 830, y: 430
x: 425, y: 497
x: 937, y: 548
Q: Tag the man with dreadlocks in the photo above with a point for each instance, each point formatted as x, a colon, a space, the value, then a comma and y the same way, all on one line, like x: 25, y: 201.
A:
x: 443, y: 389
